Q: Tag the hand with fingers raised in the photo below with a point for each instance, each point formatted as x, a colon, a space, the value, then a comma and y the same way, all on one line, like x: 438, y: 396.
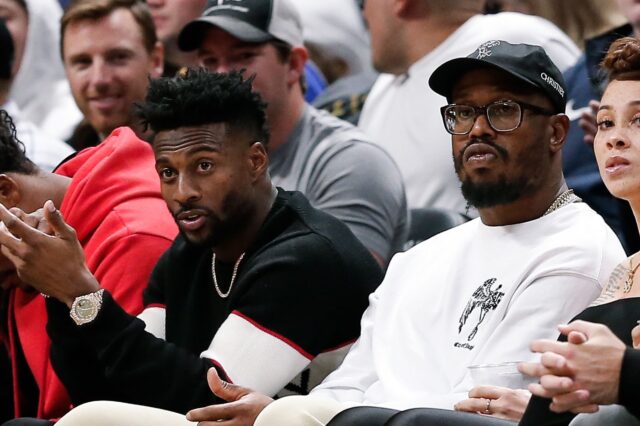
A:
x: 34, y: 219
x: 8, y: 277
x: 496, y: 401
x: 46, y: 253
x: 241, y: 409
x: 582, y: 372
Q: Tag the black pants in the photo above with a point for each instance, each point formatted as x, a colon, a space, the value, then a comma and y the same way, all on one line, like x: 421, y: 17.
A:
x: 28, y: 421
x: 374, y: 416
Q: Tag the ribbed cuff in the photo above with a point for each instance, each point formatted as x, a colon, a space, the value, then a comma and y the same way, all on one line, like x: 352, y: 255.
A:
x: 629, y: 391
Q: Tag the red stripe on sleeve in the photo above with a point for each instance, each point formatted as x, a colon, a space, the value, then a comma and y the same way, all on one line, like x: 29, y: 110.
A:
x: 156, y: 305
x: 276, y: 335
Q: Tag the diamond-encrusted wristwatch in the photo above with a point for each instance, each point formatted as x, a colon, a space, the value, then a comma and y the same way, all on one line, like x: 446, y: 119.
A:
x: 85, y: 308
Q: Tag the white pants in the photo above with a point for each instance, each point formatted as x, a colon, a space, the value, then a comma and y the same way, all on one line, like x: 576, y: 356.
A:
x: 108, y: 413
x: 289, y: 411
x: 301, y: 411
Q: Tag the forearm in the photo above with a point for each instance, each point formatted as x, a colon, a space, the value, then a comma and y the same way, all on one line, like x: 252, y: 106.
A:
x: 144, y: 370
x: 78, y: 368
x: 629, y: 392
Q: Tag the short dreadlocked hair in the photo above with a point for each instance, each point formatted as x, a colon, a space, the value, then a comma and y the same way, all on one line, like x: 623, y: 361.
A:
x: 197, y: 97
x: 12, y: 151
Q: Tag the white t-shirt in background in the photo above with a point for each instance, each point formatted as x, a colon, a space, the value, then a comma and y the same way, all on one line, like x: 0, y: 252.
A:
x: 402, y: 113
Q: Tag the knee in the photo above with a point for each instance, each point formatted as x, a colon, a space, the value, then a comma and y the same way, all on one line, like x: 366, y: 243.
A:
x: 86, y: 414
x: 299, y: 411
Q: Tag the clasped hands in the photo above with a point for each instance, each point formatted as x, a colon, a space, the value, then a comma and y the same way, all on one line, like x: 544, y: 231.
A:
x: 581, y: 373
x: 45, y: 253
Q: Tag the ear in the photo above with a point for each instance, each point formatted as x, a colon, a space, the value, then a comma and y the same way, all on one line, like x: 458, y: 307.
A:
x: 559, y: 129
x: 156, y: 60
x: 297, y: 59
x: 9, y: 191
x: 258, y: 161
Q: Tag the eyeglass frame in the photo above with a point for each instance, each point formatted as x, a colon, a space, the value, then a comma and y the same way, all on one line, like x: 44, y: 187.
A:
x: 483, y: 110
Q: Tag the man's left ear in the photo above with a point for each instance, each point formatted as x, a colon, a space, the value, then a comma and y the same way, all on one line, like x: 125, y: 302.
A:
x: 258, y: 160
x: 156, y: 59
x: 297, y: 59
x: 560, y: 128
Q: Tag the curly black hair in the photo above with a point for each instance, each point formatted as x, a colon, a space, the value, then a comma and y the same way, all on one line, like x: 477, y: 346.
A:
x: 197, y: 97
x: 12, y: 151
x: 622, y: 61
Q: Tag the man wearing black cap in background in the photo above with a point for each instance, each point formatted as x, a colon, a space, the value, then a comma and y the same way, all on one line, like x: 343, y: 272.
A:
x: 330, y: 161
x: 479, y: 293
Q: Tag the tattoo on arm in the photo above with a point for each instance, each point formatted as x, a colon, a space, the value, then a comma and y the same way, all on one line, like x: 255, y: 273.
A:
x: 614, y: 284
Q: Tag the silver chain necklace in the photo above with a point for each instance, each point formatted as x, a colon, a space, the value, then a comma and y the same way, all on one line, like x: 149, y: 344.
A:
x: 233, y: 276
x: 567, y: 197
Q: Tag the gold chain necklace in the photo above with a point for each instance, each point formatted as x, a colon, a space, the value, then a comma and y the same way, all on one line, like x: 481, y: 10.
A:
x: 567, y: 197
x: 233, y: 276
x: 628, y: 283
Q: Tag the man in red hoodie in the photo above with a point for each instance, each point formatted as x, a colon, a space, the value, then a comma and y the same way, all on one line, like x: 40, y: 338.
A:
x: 110, y: 194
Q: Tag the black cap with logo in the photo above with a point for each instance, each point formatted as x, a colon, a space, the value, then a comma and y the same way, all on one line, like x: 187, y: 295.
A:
x: 528, y: 63
x: 248, y: 20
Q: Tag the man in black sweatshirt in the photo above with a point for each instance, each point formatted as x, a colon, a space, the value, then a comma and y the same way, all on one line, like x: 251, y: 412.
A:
x: 259, y: 285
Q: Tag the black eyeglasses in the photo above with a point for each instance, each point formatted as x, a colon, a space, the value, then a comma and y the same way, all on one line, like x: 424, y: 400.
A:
x: 503, y: 116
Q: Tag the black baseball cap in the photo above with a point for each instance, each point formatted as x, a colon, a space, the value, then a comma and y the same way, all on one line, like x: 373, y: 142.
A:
x: 528, y: 63
x: 6, y: 51
x: 248, y: 20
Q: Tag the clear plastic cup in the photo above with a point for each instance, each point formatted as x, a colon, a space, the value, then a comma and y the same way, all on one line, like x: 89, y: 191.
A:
x: 504, y: 374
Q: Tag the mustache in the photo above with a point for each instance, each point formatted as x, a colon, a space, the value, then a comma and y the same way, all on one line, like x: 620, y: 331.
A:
x: 187, y: 207
x: 501, y: 151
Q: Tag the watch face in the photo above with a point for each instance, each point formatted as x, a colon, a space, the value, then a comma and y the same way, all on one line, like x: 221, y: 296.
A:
x: 86, y: 308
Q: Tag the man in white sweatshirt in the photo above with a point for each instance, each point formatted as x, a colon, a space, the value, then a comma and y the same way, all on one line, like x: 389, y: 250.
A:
x: 480, y: 292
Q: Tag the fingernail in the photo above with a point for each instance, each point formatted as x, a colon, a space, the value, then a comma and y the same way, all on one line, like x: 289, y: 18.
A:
x: 49, y: 205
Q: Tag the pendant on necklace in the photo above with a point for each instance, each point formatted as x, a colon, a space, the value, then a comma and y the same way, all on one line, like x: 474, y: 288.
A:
x: 628, y: 283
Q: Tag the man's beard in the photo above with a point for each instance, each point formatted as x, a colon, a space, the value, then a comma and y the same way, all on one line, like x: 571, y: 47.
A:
x: 218, y: 232
x: 483, y: 195
x: 490, y: 194
x: 222, y: 230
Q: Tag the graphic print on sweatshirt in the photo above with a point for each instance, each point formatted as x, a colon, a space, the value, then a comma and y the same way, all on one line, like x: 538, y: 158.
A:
x: 483, y: 300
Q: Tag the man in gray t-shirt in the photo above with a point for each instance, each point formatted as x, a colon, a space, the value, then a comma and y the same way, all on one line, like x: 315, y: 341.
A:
x: 327, y: 159
x: 342, y: 173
